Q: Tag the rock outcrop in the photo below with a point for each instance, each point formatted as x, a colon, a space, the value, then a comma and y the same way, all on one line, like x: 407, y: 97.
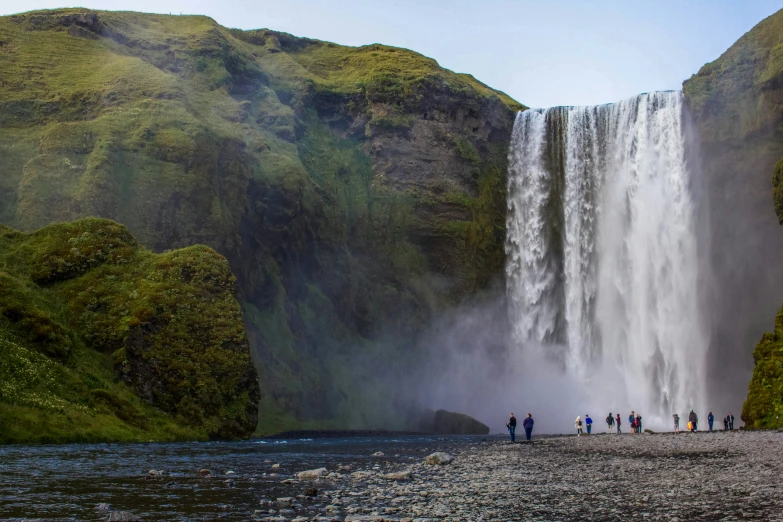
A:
x: 736, y: 103
x: 78, y: 299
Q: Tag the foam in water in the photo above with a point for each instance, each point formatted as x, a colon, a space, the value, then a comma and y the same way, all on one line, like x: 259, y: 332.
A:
x: 602, y: 267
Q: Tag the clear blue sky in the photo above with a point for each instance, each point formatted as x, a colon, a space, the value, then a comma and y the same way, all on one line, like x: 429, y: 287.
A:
x: 543, y: 53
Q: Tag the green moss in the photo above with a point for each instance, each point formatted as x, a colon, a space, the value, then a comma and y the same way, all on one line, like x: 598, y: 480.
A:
x: 764, y: 406
x: 777, y: 190
x: 94, y: 327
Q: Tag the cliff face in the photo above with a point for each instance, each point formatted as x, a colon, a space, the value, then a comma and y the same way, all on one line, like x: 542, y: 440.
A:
x: 354, y: 191
x: 737, y: 108
x: 101, y: 340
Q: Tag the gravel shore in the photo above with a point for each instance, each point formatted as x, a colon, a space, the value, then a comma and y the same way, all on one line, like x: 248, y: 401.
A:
x: 703, y: 476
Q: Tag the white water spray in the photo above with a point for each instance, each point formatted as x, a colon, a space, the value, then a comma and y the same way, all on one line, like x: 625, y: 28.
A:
x: 602, y: 266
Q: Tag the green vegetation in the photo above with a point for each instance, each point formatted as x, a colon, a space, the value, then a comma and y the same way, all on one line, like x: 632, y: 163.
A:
x: 356, y: 192
x: 764, y: 406
x: 102, y: 340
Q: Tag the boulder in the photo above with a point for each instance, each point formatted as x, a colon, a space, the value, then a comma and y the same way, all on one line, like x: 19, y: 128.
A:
x: 439, y: 458
x: 398, y: 475
x: 451, y: 423
x: 312, y: 474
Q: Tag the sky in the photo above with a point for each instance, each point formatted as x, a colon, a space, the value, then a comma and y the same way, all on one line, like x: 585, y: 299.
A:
x: 542, y: 53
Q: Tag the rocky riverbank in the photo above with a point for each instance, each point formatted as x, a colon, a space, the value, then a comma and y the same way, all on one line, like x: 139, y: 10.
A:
x: 705, y: 476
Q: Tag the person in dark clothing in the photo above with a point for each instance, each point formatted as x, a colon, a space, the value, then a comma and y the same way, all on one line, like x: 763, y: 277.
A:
x: 528, y: 425
x: 731, y: 421
x: 676, y: 423
x: 638, y: 423
x: 632, y: 422
x: 617, y: 419
x: 694, y: 420
x: 588, y: 423
x: 725, y: 424
x: 512, y: 426
x: 710, y: 420
x: 609, y: 423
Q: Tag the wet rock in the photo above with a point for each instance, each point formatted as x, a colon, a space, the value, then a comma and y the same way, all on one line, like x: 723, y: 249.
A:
x: 102, y: 507
x: 285, y: 502
x: 310, y: 492
x: 378, y: 454
x: 204, y: 472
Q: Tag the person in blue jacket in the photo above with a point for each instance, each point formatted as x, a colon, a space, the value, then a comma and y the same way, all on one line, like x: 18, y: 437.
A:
x: 589, y: 423
x: 710, y: 420
x: 528, y: 425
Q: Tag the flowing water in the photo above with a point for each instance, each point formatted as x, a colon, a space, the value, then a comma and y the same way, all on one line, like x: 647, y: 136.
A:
x: 67, y: 482
x: 602, y: 266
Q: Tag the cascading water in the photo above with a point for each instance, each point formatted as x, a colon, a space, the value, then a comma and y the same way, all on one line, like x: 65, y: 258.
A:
x: 602, y: 267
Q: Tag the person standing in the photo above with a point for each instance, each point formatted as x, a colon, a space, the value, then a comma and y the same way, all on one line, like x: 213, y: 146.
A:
x: 588, y: 423
x: 618, y: 424
x: 676, y: 423
x: 710, y: 420
x: 725, y: 424
x: 578, y: 426
x: 632, y: 422
x: 693, y: 419
x: 731, y: 421
x: 528, y: 425
x: 512, y: 426
x: 609, y: 423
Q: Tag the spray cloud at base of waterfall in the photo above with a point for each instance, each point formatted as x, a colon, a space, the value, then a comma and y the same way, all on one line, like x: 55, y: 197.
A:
x: 602, y: 268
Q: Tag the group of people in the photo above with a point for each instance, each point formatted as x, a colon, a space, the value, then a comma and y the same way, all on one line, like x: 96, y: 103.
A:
x: 613, y: 423
x: 527, y: 424
x: 693, y: 422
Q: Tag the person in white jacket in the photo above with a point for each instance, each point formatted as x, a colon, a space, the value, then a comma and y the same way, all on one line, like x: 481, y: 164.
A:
x: 578, y: 426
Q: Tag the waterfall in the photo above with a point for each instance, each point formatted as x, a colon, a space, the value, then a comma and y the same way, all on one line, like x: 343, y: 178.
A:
x: 602, y: 267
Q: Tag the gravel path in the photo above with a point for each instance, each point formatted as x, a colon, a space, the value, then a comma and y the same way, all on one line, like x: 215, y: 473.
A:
x: 706, y: 476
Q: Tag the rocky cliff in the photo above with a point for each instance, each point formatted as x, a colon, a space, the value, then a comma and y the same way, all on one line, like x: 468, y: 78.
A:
x: 737, y: 107
x: 102, y: 340
x: 355, y: 192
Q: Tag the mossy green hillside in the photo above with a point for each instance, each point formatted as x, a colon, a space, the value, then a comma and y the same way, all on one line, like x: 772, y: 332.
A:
x: 100, y: 339
x: 764, y: 406
x: 356, y: 192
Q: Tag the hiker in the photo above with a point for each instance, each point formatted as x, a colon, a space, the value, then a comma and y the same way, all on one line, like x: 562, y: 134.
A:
x: 528, y: 425
x: 731, y: 421
x: 618, y: 424
x: 638, y: 423
x: 609, y: 423
x: 512, y: 426
x: 589, y: 423
x: 632, y: 422
x: 676, y: 423
x: 710, y: 420
x: 578, y: 426
x: 693, y: 421
x: 725, y: 424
